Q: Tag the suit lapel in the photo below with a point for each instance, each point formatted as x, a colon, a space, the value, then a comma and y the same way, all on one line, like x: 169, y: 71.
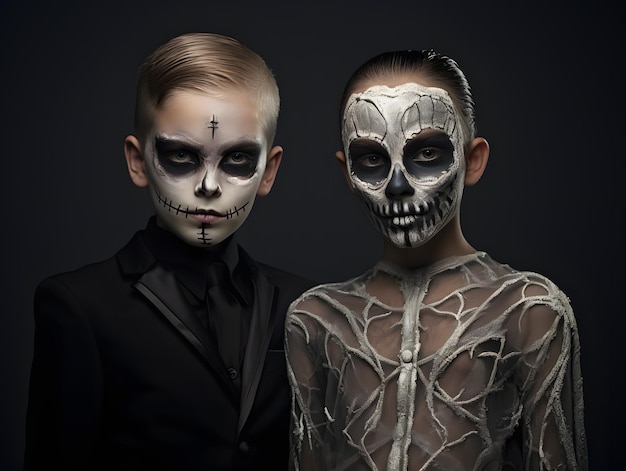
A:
x: 261, y: 328
x: 159, y: 287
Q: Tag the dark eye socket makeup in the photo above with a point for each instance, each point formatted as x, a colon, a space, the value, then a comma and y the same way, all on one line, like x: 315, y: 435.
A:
x: 178, y: 157
x: 370, y: 161
x: 439, y: 141
x: 428, y: 155
x: 241, y: 159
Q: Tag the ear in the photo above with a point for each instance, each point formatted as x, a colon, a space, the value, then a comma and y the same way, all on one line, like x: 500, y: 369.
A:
x: 274, y: 158
x: 476, y: 159
x: 341, y: 157
x: 135, y: 162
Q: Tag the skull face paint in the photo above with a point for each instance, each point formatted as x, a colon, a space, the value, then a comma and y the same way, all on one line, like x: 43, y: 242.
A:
x: 205, y: 159
x: 404, y: 152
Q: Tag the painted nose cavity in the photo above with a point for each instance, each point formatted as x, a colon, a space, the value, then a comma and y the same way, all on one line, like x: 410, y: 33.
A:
x: 398, y: 185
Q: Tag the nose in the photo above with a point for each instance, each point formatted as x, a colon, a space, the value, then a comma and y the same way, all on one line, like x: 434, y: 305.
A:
x: 208, y: 186
x: 398, y: 185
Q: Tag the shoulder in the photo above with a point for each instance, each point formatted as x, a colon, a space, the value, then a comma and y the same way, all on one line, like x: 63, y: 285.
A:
x: 328, y: 303
x: 534, y: 302
x: 321, y: 291
x: 66, y: 298
x: 527, y: 284
x: 83, y: 276
x: 94, y: 277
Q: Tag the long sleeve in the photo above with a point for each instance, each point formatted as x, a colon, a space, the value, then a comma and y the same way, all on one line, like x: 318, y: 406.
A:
x: 66, y: 383
x: 307, y: 386
x: 551, y: 385
x: 467, y: 364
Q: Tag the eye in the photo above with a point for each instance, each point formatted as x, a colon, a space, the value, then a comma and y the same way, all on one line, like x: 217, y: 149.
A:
x: 369, y: 160
x: 176, y: 156
x: 239, y: 164
x: 179, y: 161
x: 427, y: 155
x: 182, y: 157
x: 237, y: 158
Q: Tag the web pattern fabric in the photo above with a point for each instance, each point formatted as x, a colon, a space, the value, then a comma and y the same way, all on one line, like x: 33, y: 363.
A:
x: 467, y: 364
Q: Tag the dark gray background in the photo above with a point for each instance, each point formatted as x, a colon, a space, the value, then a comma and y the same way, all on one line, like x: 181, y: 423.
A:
x: 544, y: 80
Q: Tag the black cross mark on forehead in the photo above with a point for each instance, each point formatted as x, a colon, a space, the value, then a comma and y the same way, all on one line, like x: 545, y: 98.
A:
x: 213, y: 126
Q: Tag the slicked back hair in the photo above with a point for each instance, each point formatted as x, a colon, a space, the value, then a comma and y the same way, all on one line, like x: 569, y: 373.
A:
x: 208, y: 63
x: 426, y: 62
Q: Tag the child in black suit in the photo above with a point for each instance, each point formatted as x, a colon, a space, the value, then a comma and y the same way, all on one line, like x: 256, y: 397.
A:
x: 169, y: 355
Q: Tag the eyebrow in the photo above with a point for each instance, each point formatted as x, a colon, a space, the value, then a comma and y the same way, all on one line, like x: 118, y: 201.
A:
x: 162, y: 141
x: 245, y: 143
x: 436, y: 139
x: 366, y: 145
x: 164, y: 144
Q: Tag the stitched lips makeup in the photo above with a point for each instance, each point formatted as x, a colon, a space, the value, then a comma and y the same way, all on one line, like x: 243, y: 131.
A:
x: 205, y: 162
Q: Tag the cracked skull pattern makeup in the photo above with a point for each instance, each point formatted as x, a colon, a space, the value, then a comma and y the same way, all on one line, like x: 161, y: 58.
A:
x: 404, y: 153
x: 204, y: 160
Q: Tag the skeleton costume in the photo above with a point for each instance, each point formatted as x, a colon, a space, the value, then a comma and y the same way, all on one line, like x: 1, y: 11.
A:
x: 465, y: 364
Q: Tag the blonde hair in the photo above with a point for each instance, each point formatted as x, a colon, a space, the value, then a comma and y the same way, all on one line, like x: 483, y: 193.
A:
x: 208, y: 63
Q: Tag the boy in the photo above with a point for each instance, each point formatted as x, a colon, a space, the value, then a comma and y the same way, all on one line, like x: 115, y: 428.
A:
x: 140, y: 362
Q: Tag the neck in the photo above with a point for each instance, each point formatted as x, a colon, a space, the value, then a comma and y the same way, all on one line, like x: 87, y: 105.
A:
x: 448, y: 242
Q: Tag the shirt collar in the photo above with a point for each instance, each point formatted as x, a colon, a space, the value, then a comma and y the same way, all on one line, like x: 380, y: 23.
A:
x: 189, y: 263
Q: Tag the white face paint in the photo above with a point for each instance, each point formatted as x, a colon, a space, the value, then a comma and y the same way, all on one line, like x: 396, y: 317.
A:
x: 404, y: 149
x: 205, y: 159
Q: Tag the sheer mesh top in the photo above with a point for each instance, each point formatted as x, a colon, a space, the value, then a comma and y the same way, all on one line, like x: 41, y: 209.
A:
x: 467, y: 364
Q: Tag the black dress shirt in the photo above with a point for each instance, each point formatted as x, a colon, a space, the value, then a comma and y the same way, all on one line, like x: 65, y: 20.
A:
x: 190, y: 266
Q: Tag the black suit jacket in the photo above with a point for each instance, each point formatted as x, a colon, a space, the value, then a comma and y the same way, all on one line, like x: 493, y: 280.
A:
x: 124, y: 376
